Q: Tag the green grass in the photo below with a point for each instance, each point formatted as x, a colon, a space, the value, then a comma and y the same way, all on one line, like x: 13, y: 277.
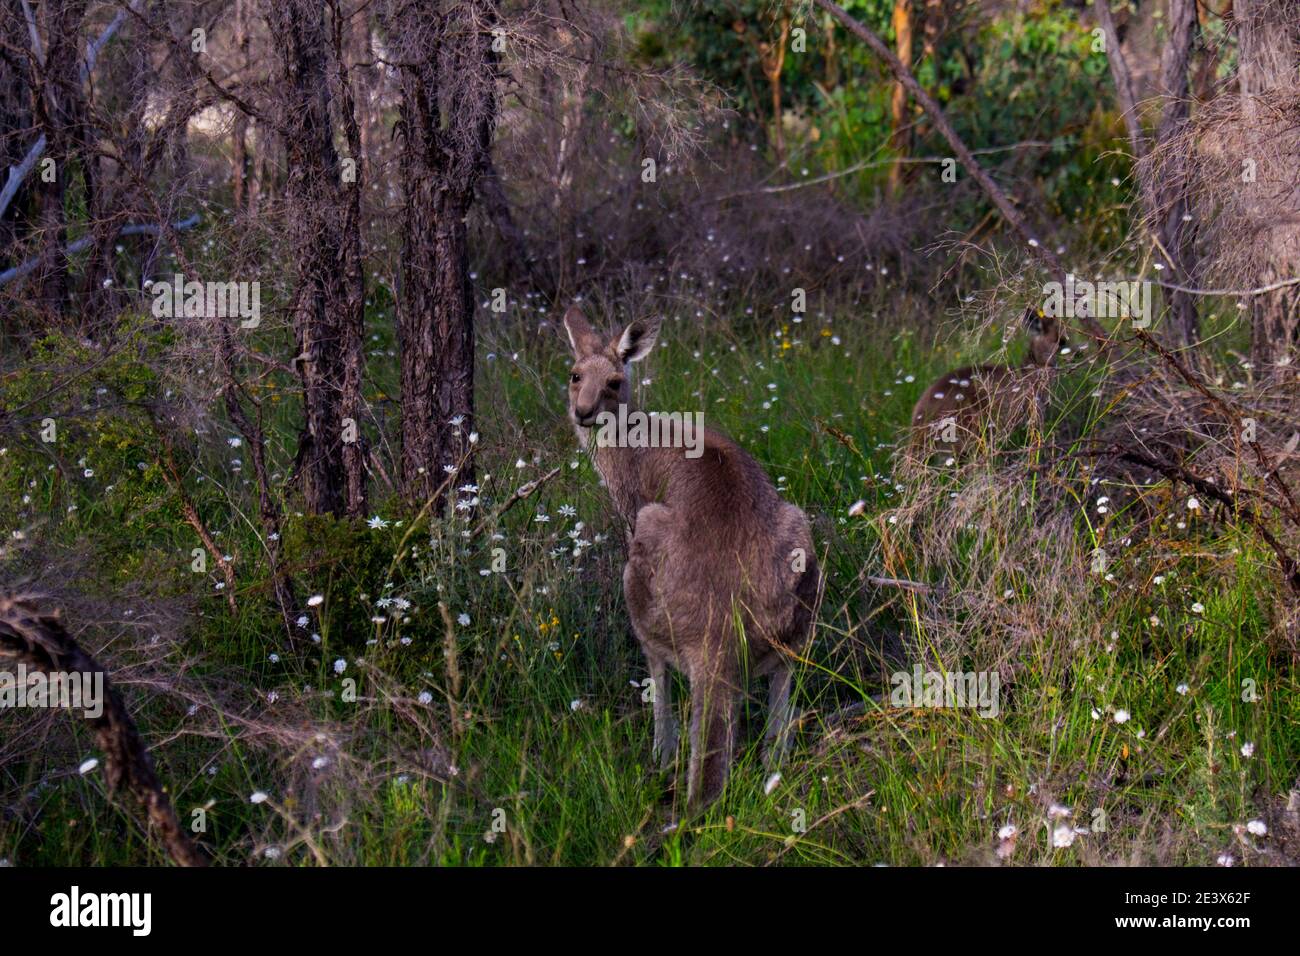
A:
x: 533, y: 744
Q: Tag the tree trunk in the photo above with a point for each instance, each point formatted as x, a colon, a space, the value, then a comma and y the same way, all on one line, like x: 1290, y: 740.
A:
x: 447, y: 115
x: 1267, y: 53
x: 355, y: 447
x: 16, y: 136
x: 239, y: 129
x: 1164, y: 196
x: 323, y: 234
x: 522, y: 263
x: 1177, y: 231
x: 773, y: 64
x: 437, y: 341
x: 58, y: 88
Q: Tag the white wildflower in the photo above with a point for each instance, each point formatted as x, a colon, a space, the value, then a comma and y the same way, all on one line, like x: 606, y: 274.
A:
x: 1063, y: 836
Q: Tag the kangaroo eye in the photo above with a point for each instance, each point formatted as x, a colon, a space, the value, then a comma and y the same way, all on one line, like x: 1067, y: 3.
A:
x: 575, y: 378
x: 615, y: 384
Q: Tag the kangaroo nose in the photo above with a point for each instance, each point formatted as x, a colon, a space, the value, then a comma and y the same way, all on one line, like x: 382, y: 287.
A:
x: 585, y: 416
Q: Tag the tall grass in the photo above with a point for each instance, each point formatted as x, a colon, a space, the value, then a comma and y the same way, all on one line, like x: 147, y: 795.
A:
x: 497, y: 716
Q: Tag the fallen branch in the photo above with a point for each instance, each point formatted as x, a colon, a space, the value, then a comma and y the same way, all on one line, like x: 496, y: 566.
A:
x: 902, y: 583
x: 39, y: 640
x: 84, y: 243
x: 1241, y: 293
x: 18, y: 173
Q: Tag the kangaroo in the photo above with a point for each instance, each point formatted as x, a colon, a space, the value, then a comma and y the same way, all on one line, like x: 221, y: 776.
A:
x: 967, y: 402
x: 720, y: 579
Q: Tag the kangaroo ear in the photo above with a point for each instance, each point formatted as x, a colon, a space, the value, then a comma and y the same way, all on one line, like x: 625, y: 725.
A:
x: 637, y: 340
x: 582, y: 337
x: 1036, y: 320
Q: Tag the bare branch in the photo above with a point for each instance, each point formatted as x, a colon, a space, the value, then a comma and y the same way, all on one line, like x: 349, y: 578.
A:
x: 84, y: 243
x: 18, y: 173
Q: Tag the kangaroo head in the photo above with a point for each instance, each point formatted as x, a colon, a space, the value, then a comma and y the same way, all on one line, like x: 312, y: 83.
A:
x: 598, y: 381
x: 1046, y: 336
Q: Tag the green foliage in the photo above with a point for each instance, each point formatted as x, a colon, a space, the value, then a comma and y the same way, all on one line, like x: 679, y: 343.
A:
x: 1002, y: 77
x: 101, y: 476
x: 1037, y: 74
x: 328, y: 556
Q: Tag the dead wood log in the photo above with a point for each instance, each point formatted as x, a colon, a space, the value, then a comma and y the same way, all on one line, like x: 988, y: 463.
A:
x: 37, y: 638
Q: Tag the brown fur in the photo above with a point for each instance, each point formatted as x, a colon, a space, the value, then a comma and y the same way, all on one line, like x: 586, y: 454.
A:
x: 710, y: 581
x: 978, y: 399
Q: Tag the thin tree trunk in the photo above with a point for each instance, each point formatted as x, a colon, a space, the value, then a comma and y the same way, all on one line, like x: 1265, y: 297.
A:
x: 522, y: 262
x: 15, y: 131
x: 239, y: 130
x: 899, y: 136
x: 773, y: 60
x: 1177, y: 232
x: 364, y: 77
x: 1164, y: 202
x: 57, y: 84
x: 932, y: 24
x: 830, y: 53
x: 323, y: 237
